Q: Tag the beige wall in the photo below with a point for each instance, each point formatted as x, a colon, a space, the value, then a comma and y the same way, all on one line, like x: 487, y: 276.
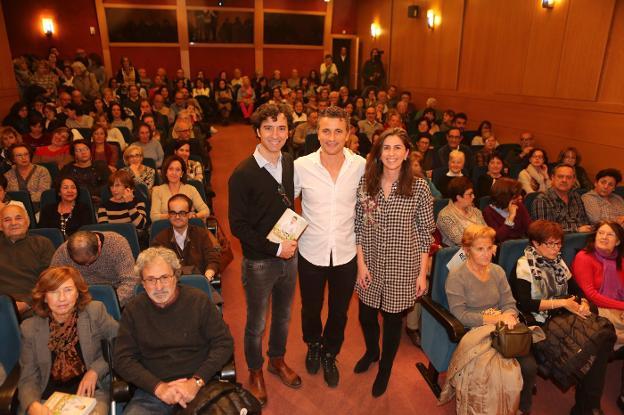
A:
x: 8, y: 88
x: 557, y: 72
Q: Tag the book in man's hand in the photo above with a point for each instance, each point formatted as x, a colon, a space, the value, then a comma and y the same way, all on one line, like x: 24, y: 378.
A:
x: 290, y: 226
x: 65, y: 404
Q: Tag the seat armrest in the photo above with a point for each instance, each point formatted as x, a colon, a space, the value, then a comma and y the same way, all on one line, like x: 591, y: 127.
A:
x: 454, y: 328
x: 228, y: 372
x: 8, y: 392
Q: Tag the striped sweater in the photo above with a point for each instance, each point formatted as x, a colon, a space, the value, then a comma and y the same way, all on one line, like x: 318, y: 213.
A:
x: 124, y: 212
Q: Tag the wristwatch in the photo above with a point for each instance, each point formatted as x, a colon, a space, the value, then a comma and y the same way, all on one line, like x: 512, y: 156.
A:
x: 199, y: 382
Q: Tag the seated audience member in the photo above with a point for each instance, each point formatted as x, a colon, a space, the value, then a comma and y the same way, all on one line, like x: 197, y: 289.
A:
x: 174, y: 177
x: 183, y: 130
x: 57, y: 152
x: 88, y: 173
x: 459, y: 213
x: 69, y: 214
x: 478, y: 294
x: 101, y: 258
x: 113, y: 135
x: 123, y: 206
x: 36, y: 136
x: 598, y: 271
x: 118, y: 117
x: 167, y: 368
x: 454, y: 137
x: 52, y: 120
x: 535, y: 178
x: 482, y: 157
x: 151, y: 148
x: 544, y: 283
x: 494, y: 172
x: 61, y: 348
x: 506, y: 213
x: 430, y: 115
x: 423, y: 146
x: 141, y: 174
x: 571, y: 157
x: 304, y: 129
x: 224, y: 98
x: 455, y: 169
x: 26, y: 176
x: 447, y: 120
x: 103, y: 151
x: 522, y: 156
x: 192, y: 244
x: 416, y: 158
x: 263, y: 92
x: 8, y: 137
x: 460, y: 121
x: 369, y: 125
x: 423, y: 125
x: 5, y: 199
x: 160, y: 121
x: 76, y: 118
x: 561, y: 204
x: 22, y: 256
x: 601, y: 203
x: 483, y: 132
x: 17, y: 117
x: 157, y: 134
x: 246, y: 97
x: 85, y: 81
x: 194, y: 168
x: 393, y: 120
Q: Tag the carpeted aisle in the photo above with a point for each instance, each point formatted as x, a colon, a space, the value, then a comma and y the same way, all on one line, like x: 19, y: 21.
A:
x: 407, y: 392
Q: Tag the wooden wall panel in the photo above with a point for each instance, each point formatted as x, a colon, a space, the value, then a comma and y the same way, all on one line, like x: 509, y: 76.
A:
x: 544, y: 53
x: 450, y: 33
x: 408, y: 42
x: 586, y: 36
x: 612, y: 83
x: 477, y: 65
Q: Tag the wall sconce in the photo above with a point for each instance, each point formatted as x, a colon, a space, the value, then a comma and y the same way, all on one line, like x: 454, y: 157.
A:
x: 548, y: 4
x: 375, y: 30
x: 433, y: 19
x: 47, y: 25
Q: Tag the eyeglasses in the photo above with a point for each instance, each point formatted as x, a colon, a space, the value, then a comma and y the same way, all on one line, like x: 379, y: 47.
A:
x: 180, y: 214
x: 553, y: 245
x: 151, y: 281
x: 22, y: 155
x: 282, y: 192
x: 133, y: 155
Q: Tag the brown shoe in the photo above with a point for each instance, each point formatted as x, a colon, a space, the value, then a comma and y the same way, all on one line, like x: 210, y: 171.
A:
x: 256, y: 386
x: 278, y: 367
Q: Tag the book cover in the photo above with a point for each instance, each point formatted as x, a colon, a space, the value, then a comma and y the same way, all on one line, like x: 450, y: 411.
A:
x: 290, y: 226
x: 65, y: 404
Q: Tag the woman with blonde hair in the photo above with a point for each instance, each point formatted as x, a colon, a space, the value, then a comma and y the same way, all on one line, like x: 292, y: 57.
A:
x: 141, y: 174
x: 61, y: 348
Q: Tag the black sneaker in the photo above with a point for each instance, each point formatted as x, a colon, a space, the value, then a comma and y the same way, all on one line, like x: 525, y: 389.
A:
x: 330, y: 371
x: 313, y: 358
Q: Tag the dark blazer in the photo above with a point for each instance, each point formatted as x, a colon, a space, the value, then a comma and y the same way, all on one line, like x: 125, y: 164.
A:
x: 199, y: 250
x: 94, y: 324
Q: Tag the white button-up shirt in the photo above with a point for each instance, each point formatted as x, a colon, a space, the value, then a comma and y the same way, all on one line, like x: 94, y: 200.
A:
x: 328, y: 207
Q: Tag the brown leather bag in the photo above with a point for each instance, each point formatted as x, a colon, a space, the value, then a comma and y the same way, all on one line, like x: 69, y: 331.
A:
x: 514, y: 342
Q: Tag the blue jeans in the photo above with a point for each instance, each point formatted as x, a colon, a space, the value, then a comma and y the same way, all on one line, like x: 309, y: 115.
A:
x: 264, y: 278
x: 144, y: 403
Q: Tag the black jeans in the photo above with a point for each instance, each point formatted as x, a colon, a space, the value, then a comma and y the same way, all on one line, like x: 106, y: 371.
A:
x: 275, y: 278
x: 589, y: 389
x: 341, y: 281
x: 528, y: 367
x: 392, y: 323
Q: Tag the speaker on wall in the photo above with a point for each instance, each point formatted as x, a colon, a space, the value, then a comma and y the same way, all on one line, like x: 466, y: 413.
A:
x: 413, y: 11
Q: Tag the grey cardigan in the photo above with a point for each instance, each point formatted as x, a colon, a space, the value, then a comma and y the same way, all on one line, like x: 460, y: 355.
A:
x: 94, y: 324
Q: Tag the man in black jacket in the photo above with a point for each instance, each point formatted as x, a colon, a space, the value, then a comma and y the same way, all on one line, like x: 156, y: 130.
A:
x: 261, y: 188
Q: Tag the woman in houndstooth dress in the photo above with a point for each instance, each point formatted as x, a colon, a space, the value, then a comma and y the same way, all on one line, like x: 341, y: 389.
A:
x: 393, y: 226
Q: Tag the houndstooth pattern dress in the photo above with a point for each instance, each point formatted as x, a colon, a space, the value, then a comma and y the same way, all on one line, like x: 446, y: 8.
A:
x: 393, y: 233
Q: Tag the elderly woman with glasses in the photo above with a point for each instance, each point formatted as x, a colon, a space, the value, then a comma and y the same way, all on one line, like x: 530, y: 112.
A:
x: 141, y: 174
x: 61, y: 348
x: 151, y: 148
x: 459, y: 213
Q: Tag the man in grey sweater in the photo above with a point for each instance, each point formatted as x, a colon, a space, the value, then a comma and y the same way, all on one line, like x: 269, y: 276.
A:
x: 101, y: 258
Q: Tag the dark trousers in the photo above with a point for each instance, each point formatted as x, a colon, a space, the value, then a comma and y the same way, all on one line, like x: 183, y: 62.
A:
x: 589, y: 390
x: 275, y: 278
x: 528, y: 367
x: 392, y: 323
x: 341, y: 281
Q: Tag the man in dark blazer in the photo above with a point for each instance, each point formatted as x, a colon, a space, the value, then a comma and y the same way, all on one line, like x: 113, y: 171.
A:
x: 343, y: 64
x: 261, y: 188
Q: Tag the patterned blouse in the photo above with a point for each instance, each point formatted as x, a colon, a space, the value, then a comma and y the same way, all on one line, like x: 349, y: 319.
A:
x: 194, y: 170
x: 146, y: 177
x: 393, y: 232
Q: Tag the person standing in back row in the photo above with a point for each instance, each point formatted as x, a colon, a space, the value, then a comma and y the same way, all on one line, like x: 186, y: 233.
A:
x: 260, y: 190
x: 327, y: 181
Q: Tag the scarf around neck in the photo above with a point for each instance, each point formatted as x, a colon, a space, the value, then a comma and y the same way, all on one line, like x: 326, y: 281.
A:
x: 550, y: 276
x: 612, y: 286
x: 63, y: 343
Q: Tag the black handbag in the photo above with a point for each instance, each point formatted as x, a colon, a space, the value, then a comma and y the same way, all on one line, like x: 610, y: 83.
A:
x: 514, y: 342
x: 222, y: 398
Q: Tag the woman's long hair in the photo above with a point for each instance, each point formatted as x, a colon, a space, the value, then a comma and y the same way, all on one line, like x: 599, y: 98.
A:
x: 619, y: 234
x: 374, y: 166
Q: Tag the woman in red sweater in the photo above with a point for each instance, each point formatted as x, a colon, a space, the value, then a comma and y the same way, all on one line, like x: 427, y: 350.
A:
x: 506, y: 212
x: 598, y: 272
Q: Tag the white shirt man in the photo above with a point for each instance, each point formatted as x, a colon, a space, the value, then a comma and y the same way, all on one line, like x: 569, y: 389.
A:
x: 327, y: 181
